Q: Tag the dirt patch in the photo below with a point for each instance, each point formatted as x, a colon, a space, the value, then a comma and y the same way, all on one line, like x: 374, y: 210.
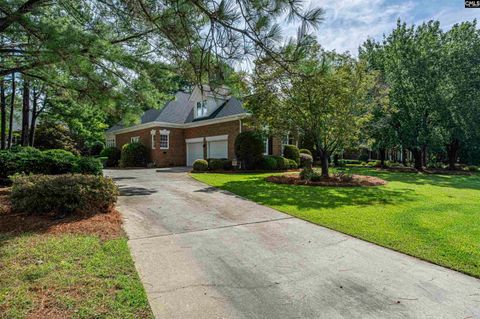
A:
x: 106, y: 225
x: 333, y: 181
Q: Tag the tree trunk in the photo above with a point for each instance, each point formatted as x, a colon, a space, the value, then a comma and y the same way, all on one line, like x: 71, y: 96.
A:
x: 25, y: 113
x: 3, y: 116
x: 382, y: 152
x: 34, y: 117
x: 404, y: 156
x: 417, y: 158
x: 452, y: 153
x: 424, y: 156
x: 12, y: 108
x: 324, y: 159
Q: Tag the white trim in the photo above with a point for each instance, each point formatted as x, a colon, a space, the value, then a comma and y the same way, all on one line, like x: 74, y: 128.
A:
x: 240, y: 128
x: 153, y: 133
x: 217, y: 138
x: 134, y: 139
x: 175, y: 125
x: 267, y: 146
x: 194, y: 140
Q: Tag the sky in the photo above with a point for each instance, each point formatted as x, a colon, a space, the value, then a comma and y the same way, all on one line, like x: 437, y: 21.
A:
x: 347, y: 24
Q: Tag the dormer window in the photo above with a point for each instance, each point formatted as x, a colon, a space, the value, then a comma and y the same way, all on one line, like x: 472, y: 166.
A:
x: 201, y: 108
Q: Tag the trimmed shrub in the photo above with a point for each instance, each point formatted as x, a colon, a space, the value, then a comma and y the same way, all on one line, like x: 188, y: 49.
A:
x: 268, y: 163
x: 63, y: 194
x: 249, y: 148
x: 134, y: 155
x: 56, y: 162
x: 472, y: 168
x: 292, y: 164
x: 282, y: 163
x: 291, y: 152
x: 96, y: 148
x: 88, y: 165
x: 305, y: 151
x: 215, y: 164
x: 113, y: 156
x: 309, y: 174
x: 200, y: 165
x: 306, y: 160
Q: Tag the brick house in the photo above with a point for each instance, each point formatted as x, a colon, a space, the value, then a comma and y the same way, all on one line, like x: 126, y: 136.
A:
x: 195, y: 125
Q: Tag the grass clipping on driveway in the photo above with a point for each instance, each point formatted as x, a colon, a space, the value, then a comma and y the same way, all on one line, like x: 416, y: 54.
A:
x: 79, y: 267
x: 433, y: 217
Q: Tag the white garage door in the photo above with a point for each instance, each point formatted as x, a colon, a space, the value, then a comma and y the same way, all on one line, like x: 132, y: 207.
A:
x: 194, y: 152
x: 217, y: 149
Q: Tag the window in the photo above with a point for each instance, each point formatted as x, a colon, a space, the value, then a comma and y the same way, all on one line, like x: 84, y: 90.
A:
x: 153, y: 133
x: 111, y: 142
x: 288, y: 140
x: 135, y: 139
x: 164, y: 139
x: 201, y: 108
x: 265, y: 146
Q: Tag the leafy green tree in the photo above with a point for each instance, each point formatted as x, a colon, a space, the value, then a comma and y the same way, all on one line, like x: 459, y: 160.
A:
x: 53, y: 135
x: 327, y: 98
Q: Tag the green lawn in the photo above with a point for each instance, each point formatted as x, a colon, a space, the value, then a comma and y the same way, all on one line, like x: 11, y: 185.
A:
x: 434, y: 217
x: 69, y: 276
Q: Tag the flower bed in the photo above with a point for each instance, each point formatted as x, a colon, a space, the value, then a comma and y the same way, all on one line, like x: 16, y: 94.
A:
x: 335, y: 181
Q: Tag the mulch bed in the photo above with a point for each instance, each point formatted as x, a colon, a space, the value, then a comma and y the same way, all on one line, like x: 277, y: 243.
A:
x: 332, y: 181
x: 106, y: 226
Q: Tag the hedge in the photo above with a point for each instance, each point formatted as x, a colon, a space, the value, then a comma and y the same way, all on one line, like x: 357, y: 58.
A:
x: 215, y: 164
x: 29, y: 160
x: 63, y: 194
x: 113, y: 156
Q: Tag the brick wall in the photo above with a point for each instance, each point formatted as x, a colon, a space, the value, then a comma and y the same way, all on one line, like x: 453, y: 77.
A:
x: 173, y: 156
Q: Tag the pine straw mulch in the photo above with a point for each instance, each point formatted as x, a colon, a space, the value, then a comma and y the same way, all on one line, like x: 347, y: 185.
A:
x: 332, y: 181
x: 106, y: 226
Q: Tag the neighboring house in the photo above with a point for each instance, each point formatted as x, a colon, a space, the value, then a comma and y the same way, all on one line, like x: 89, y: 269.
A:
x: 195, y: 125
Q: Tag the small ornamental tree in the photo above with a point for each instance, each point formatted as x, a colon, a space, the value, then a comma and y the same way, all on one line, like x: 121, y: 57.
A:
x: 249, y: 148
x: 134, y: 155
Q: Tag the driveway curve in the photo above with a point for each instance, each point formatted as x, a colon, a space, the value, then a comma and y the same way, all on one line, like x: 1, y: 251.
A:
x: 206, y: 253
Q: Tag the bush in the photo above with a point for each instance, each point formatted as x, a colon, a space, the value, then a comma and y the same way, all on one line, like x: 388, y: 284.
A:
x: 309, y: 174
x: 351, y: 162
x: 282, y: 163
x: 113, y: 156
x: 291, y: 152
x: 305, y: 151
x: 56, y: 162
x: 292, y: 164
x: 364, y: 158
x: 215, y: 164
x: 200, y: 165
x: 268, y: 163
x: 306, y: 160
x: 249, y: 148
x: 63, y: 194
x: 96, y: 148
x: 472, y: 168
x: 88, y: 165
x: 134, y: 155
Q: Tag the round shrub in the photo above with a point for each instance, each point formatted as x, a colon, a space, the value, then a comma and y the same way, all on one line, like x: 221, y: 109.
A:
x: 200, y: 165
x: 63, y: 194
x: 96, y: 148
x: 88, y: 165
x: 268, y: 163
x: 305, y: 151
x: 292, y: 164
x: 113, y: 156
x: 291, y: 152
x: 134, y: 155
x: 306, y: 160
x: 249, y: 148
x: 282, y: 163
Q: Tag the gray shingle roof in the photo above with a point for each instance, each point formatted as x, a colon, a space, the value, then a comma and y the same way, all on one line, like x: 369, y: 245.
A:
x: 180, y: 111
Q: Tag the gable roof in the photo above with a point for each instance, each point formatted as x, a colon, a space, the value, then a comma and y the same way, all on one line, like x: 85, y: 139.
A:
x: 180, y: 111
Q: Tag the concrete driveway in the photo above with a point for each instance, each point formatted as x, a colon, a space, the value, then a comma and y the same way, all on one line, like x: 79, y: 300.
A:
x: 205, y: 253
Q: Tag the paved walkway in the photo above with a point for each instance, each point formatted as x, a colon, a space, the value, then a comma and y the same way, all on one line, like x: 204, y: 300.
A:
x: 205, y: 253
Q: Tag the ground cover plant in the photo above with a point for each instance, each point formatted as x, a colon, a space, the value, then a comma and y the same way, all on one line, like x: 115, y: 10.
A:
x: 433, y: 217
x: 75, y: 267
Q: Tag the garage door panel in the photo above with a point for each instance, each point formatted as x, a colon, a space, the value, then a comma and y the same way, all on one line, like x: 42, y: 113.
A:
x: 194, y: 152
x: 218, y: 149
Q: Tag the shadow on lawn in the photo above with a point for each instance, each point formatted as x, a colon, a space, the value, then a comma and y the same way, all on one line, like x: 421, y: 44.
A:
x: 311, y: 197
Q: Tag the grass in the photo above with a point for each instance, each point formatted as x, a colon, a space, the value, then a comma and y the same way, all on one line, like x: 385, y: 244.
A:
x: 433, y: 217
x: 69, y: 276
